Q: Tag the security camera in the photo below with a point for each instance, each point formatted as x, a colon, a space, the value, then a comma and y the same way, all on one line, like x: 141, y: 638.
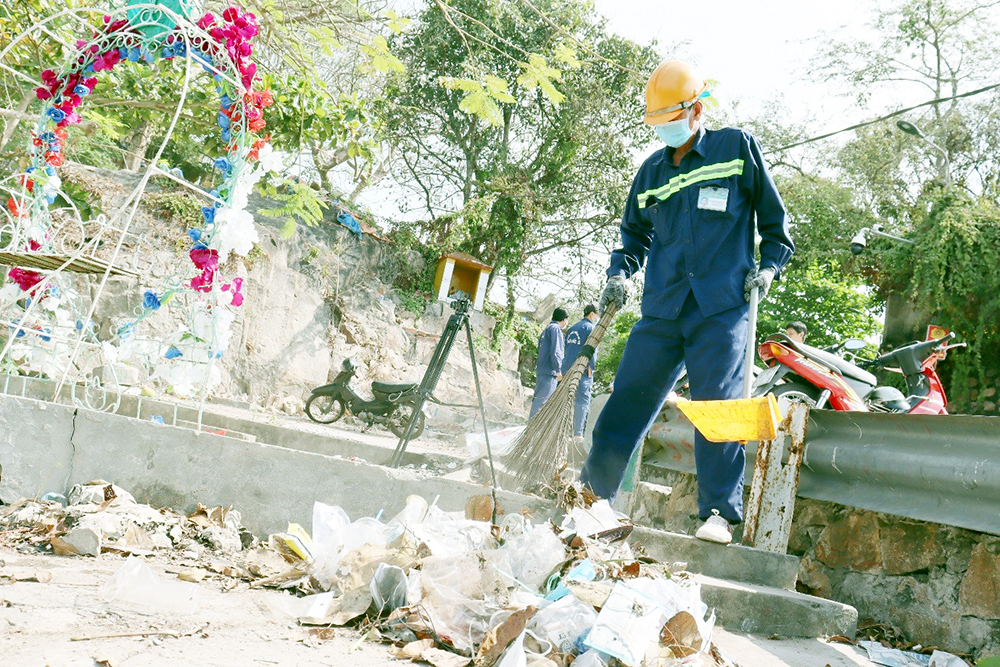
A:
x: 859, y: 242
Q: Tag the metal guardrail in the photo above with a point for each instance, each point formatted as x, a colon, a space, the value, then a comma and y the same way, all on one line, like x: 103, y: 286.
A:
x: 942, y: 469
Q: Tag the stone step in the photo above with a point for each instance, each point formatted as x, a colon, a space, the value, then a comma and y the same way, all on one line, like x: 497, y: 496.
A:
x: 732, y: 562
x: 765, y: 610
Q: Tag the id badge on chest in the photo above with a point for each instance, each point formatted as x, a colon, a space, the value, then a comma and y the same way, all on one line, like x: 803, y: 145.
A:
x: 713, y: 199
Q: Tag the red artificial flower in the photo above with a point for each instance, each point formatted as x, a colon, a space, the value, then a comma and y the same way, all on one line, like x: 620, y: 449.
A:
x: 26, y: 280
x: 205, y: 258
x: 14, y: 207
x: 257, y: 124
x: 43, y: 94
x: 34, y: 245
x: 54, y: 159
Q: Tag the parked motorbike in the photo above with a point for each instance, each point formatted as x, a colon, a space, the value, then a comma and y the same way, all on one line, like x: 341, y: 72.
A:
x: 393, y: 403
x: 823, y: 377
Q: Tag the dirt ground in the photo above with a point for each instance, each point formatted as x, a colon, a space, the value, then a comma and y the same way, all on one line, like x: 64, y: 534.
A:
x: 64, y: 622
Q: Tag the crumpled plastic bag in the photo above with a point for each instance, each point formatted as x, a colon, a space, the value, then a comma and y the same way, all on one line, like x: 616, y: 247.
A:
x: 534, y: 555
x: 563, y: 622
x: 388, y: 588
x: 136, y: 583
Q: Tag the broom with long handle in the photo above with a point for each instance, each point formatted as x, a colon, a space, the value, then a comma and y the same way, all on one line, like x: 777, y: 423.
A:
x: 540, y: 450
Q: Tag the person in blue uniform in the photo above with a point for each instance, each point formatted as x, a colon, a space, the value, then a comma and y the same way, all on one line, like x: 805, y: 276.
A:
x: 576, y: 337
x: 690, y: 218
x: 548, y: 368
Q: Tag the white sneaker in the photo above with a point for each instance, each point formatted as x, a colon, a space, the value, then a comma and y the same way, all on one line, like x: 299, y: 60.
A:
x: 716, y: 529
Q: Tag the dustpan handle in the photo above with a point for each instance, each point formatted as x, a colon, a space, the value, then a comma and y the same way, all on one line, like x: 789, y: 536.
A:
x: 751, y: 342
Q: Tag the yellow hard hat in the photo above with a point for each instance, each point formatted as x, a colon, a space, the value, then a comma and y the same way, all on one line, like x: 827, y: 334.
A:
x: 672, y: 87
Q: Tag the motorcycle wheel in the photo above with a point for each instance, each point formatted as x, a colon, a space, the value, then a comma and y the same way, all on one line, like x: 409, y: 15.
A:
x: 324, y: 409
x: 798, y: 392
x: 400, y: 419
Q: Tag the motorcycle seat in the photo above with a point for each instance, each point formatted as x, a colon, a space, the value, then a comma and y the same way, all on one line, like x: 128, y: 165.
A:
x: 393, y: 387
x: 846, y: 368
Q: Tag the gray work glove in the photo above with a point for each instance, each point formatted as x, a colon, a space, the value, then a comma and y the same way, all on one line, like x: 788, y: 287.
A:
x: 761, y: 279
x: 615, y: 292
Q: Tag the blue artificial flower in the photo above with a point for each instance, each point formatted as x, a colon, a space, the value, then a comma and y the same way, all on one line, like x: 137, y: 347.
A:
x: 214, y: 193
x: 195, y: 234
x: 58, y: 115
x: 45, y: 338
x: 30, y: 170
x: 89, y: 69
x: 123, y: 53
x: 27, y: 302
x: 157, y: 419
x: 134, y: 54
x: 20, y: 333
x: 223, y: 164
x: 126, y: 330
x: 50, y: 199
x: 209, y: 214
x: 81, y: 90
x: 218, y: 355
x: 226, y: 101
x: 79, y: 325
x: 50, y: 171
x: 173, y: 353
x: 149, y: 56
x: 150, y: 300
x: 200, y: 246
x: 227, y: 136
x: 54, y: 291
x: 223, y: 120
x: 48, y: 137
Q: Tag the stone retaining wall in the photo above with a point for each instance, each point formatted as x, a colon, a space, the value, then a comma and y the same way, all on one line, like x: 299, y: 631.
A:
x: 939, y: 585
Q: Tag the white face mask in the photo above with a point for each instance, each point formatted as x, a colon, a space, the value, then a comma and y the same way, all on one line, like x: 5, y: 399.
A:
x: 674, y: 133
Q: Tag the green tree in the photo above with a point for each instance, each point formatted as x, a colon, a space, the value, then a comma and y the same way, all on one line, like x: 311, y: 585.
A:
x: 516, y: 123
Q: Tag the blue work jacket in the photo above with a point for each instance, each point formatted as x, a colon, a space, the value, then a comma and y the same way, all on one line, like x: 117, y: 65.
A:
x: 575, y: 339
x: 551, y: 348
x: 695, y: 224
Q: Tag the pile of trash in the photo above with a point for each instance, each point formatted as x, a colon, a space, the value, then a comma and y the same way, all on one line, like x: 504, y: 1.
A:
x: 100, y: 517
x: 449, y: 589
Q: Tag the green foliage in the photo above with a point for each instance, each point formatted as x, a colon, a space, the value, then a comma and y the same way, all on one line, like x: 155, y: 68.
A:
x: 300, y: 202
x: 516, y: 129
x: 611, y: 349
x: 182, y: 207
x: 820, y: 297
x: 954, y: 275
x: 989, y: 662
x: 524, y: 332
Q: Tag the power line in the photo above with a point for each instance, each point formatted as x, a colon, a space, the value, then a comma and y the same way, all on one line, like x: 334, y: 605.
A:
x: 885, y: 117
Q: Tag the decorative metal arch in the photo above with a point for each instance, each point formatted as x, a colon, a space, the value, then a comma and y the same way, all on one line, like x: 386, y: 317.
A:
x: 48, y: 320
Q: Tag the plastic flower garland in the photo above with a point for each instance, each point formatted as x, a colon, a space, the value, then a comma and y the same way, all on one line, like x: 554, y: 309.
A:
x: 223, y: 47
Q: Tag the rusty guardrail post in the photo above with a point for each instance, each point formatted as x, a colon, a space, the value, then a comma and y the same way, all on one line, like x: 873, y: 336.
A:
x: 768, y: 514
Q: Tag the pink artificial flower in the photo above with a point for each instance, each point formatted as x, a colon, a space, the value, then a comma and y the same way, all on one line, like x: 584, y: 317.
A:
x: 26, y: 280
x: 203, y: 283
x: 43, y: 94
x: 206, y: 21
x: 205, y: 258
x: 34, y: 245
x: 237, y: 299
x: 230, y: 14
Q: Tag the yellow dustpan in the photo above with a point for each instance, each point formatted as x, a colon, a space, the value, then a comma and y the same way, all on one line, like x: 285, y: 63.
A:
x: 742, y: 419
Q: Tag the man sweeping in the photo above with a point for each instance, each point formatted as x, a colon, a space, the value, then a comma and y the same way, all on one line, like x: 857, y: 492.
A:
x: 690, y: 218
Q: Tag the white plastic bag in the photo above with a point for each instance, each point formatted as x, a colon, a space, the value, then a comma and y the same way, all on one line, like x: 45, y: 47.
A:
x: 563, y: 622
x: 514, y: 655
x: 500, y: 442
x: 534, y: 555
x: 136, y: 583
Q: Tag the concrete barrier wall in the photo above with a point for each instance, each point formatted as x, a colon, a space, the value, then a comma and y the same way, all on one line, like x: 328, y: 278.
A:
x: 167, y: 466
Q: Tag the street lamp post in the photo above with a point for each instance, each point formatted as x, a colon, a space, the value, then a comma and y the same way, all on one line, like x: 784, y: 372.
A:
x: 943, y: 164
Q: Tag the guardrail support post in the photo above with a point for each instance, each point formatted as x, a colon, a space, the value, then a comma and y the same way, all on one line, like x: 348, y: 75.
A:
x: 768, y: 514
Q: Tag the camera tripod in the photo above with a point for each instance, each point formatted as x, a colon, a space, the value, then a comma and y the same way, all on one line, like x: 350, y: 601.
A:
x: 458, y: 321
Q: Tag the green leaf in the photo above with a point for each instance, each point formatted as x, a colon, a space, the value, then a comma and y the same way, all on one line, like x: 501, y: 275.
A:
x: 989, y: 662
x: 396, y: 23
x: 537, y: 74
x: 380, y: 58
x: 567, y: 55
x: 481, y: 98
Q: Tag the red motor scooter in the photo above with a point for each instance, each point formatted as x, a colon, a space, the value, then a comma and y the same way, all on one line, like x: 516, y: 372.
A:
x: 821, y: 377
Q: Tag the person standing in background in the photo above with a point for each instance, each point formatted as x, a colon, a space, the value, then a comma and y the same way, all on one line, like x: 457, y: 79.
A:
x: 548, y: 368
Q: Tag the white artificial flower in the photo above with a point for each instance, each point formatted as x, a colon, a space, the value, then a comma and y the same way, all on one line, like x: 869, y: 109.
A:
x: 234, y: 232
x: 269, y: 160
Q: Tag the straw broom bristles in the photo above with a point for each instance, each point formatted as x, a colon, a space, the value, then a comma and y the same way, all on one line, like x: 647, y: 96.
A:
x: 539, y: 452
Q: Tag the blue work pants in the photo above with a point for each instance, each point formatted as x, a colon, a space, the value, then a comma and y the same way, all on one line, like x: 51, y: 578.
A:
x: 545, y: 385
x: 582, y: 406
x: 713, y: 348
